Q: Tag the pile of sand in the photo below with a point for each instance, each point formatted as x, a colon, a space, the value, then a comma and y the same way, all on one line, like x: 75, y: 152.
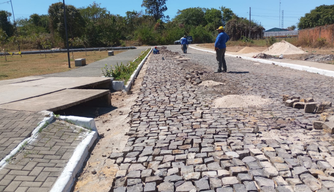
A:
x: 211, y: 83
x: 284, y: 48
x: 248, y: 50
x: 237, y: 101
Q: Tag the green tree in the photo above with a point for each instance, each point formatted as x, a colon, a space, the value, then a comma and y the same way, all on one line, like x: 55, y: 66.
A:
x: 322, y: 15
x: 155, y: 8
x: 5, y: 25
x: 191, y: 16
x: 227, y: 14
x: 75, y: 22
x: 213, y: 19
x: 292, y: 27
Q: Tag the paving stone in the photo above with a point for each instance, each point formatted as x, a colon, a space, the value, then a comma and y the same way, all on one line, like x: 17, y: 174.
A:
x: 133, y: 174
x: 166, y: 186
x: 223, y: 173
x: 302, y: 188
x: 310, y: 181
x: 199, y: 168
x: 250, y: 186
x: 202, y: 184
x: 215, y: 183
x: 150, y: 187
x: 135, y: 188
x: 173, y: 178
x: 191, y: 176
x: 234, y: 171
x: 194, y: 161
x: 214, y: 166
x: 284, y: 189
x: 186, y: 186
x: 264, y: 182
x: 120, y: 189
x: 146, y: 173
x: 131, y: 182
x: 225, y: 189
x: 230, y: 180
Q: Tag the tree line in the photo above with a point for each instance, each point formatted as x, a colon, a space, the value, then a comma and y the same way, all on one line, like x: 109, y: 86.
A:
x: 95, y: 26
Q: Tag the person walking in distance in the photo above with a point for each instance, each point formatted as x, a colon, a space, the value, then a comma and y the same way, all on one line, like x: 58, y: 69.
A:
x: 184, y: 43
x: 220, y: 47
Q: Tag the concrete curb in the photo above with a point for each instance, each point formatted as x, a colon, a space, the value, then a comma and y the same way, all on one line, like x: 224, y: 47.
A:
x: 67, y: 178
x: 288, y: 65
x: 30, y: 139
x: 135, y: 73
x: 119, y: 85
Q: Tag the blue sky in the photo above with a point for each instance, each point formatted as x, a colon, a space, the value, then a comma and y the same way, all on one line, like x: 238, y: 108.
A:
x: 264, y: 12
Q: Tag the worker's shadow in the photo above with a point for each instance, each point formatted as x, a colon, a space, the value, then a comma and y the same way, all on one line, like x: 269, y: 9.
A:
x: 238, y: 72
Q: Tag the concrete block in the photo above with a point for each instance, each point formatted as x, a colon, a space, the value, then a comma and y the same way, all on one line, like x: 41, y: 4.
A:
x: 299, y: 105
x: 118, y: 85
x: 310, y: 107
x: 80, y: 62
x: 110, y: 53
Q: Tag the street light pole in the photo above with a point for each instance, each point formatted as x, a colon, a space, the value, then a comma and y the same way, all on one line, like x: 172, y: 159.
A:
x: 68, y: 50
x: 18, y: 43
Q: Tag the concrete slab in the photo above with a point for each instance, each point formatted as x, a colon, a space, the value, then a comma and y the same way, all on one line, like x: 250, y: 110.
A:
x: 65, y: 82
x: 60, y: 100
x: 25, y: 88
x: 10, y: 93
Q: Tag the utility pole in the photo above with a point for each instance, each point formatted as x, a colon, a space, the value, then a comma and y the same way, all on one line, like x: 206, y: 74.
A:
x: 250, y: 20
x: 279, y: 14
x: 68, y: 50
x: 18, y: 44
x: 283, y: 19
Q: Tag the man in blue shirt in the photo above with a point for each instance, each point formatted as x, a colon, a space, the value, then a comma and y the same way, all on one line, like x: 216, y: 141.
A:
x: 184, y: 43
x: 220, y: 47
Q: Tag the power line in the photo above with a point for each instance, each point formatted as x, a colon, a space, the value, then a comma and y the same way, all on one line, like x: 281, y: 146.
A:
x: 4, y: 2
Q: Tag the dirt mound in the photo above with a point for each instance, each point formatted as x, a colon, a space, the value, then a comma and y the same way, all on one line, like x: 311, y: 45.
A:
x: 211, y: 83
x: 284, y: 48
x: 248, y: 50
x: 236, y: 101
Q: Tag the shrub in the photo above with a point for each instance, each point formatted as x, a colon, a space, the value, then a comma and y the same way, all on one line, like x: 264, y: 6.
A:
x: 123, y: 72
x: 270, y: 41
x: 200, y: 35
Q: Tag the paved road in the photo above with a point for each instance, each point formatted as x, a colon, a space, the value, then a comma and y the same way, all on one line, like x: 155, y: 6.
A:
x: 180, y: 142
x: 95, y: 69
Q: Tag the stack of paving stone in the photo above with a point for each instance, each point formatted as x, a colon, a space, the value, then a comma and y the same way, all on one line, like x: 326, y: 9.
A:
x: 309, y: 105
x: 194, y: 77
x: 179, y: 143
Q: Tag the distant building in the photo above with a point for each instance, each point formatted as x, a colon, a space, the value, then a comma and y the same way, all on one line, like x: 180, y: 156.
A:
x: 280, y: 33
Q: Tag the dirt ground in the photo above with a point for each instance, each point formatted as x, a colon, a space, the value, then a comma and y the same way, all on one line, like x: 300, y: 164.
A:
x: 99, y: 172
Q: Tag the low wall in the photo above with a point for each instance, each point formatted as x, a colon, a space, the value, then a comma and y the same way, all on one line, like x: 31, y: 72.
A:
x: 313, y: 34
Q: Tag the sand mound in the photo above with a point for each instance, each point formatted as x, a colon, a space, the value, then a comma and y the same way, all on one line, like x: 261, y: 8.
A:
x: 211, y: 83
x: 248, y: 50
x: 284, y: 48
x: 236, y: 101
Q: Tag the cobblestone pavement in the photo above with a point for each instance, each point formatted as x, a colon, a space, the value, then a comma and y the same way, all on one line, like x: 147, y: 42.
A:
x: 15, y: 126
x: 180, y: 142
x: 38, y: 165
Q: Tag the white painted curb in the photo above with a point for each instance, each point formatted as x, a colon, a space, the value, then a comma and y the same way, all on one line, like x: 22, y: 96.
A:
x: 288, y: 65
x: 67, y: 178
x: 30, y: 139
x: 135, y: 73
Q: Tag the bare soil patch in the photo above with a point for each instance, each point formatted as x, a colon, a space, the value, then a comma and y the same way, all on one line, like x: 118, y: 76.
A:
x: 240, y: 101
x: 100, y: 171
